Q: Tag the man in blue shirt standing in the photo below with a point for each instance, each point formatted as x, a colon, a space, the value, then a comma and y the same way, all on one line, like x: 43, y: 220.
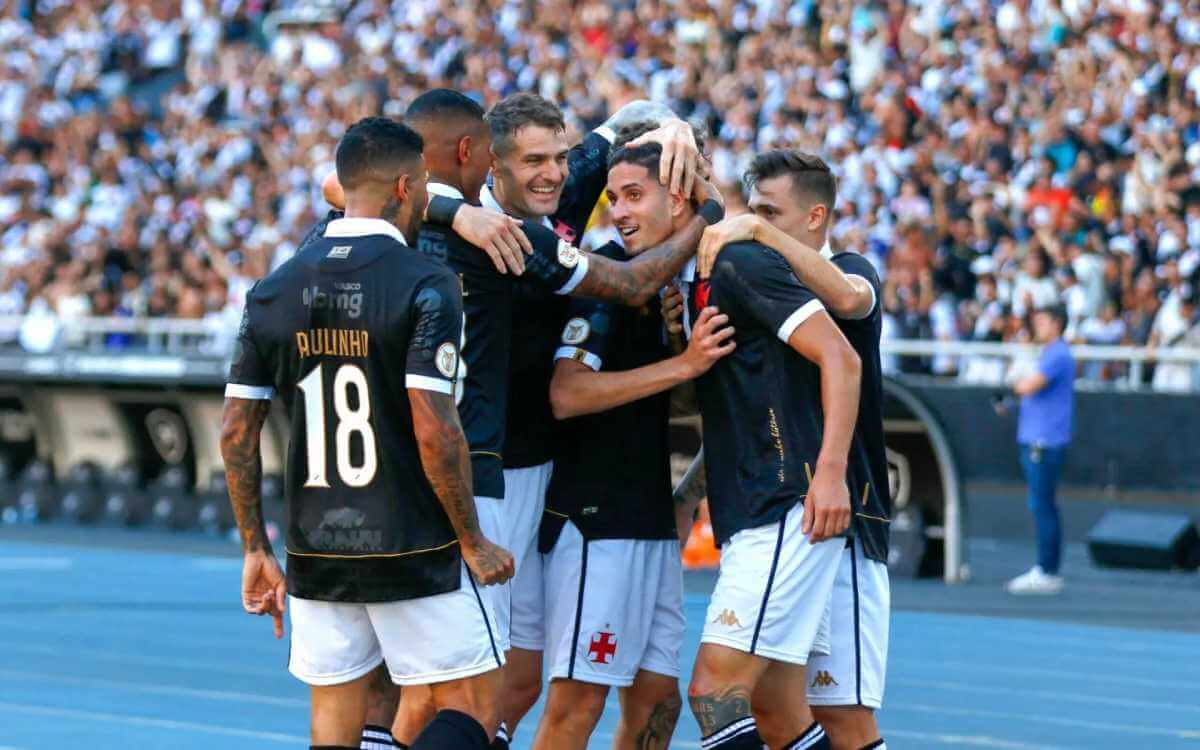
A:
x: 1043, y: 433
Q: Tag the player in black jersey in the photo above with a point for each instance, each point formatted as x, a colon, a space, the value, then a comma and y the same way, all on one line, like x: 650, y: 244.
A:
x: 792, y: 197
x: 609, y: 515
x: 381, y: 517
x: 778, y: 417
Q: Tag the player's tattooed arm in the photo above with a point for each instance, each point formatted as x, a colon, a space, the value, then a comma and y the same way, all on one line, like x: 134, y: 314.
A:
x: 656, y: 735
x: 241, y: 429
x: 721, y: 707
x: 264, y: 589
x: 447, y: 464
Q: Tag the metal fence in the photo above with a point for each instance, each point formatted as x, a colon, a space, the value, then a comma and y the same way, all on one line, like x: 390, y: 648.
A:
x: 1118, y: 367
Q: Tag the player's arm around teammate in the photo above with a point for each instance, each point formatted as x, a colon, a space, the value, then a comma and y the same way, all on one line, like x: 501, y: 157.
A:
x: 847, y: 296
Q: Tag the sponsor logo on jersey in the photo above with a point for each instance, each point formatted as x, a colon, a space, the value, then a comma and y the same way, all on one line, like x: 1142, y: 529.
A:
x: 446, y: 359
x: 728, y: 619
x: 568, y: 255
x: 344, y: 530
x: 823, y: 680
x: 340, y: 251
x: 347, y: 298
x: 576, y: 331
x: 603, y: 648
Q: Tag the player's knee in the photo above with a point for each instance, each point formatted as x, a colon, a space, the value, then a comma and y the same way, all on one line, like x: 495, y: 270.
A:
x: 849, y: 727
x: 578, y: 707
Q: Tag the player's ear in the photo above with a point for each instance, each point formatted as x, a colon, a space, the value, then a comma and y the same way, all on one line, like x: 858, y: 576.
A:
x: 464, y: 149
x: 676, y: 203
x: 403, y: 185
x: 817, y: 217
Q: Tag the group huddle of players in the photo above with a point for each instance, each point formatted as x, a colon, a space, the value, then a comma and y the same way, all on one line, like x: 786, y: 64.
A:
x: 478, y: 469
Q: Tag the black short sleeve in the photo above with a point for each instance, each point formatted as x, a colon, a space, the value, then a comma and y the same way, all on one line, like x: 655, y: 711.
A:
x: 588, y: 165
x: 555, y: 263
x: 759, y: 282
x: 585, y: 337
x: 433, y: 362
x: 853, y: 264
x: 249, y: 374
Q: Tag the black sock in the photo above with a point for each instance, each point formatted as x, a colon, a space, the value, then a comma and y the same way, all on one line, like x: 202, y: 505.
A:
x: 452, y: 730
x: 502, y: 738
x: 813, y: 738
x: 375, y: 737
x: 740, y: 734
x: 878, y: 744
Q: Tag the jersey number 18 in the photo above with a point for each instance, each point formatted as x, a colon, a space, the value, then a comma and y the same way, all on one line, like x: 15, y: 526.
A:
x: 349, y: 422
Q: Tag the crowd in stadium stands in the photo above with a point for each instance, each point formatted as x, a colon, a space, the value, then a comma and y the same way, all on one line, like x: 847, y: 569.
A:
x: 993, y: 157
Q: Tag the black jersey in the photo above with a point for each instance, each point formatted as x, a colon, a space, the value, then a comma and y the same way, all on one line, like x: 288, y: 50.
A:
x: 612, y: 473
x: 763, y: 421
x: 341, y: 332
x: 488, y: 299
x: 873, y: 505
x: 531, y: 427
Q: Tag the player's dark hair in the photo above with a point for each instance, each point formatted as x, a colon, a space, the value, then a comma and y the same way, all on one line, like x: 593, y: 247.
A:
x: 515, y: 112
x: 647, y: 155
x: 443, y: 103
x: 376, y: 149
x: 811, y: 177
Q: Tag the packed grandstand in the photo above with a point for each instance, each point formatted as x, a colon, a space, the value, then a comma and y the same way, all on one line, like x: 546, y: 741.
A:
x: 993, y: 157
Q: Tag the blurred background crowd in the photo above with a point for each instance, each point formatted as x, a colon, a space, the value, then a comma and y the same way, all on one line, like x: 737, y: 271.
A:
x: 157, y: 156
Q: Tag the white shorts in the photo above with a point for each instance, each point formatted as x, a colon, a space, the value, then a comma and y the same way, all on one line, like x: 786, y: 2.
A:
x: 615, y: 606
x: 432, y: 639
x: 525, y: 500
x: 772, y: 591
x: 493, y: 523
x: 853, y: 672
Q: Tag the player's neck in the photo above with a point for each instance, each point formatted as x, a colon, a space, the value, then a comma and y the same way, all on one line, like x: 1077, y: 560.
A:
x: 364, y: 210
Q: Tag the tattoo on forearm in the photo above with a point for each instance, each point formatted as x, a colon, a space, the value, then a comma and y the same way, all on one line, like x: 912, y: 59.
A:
x: 694, y: 485
x: 721, y: 707
x: 241, y: 428
x: 636, y: 281
x: 656, y: 735
x: 446, y: 459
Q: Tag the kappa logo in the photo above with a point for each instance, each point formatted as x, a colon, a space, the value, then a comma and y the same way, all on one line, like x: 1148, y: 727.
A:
x: 446, y: 359
x: 603, y: 648
x: 823, y: 680
x: 568, y: 255
x: 728, y: 619
x: 703, y: 290
x: 576, y: 331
